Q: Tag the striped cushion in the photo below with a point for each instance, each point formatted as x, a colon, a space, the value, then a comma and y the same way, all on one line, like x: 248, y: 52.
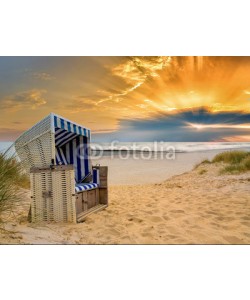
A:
x: 85, y: 186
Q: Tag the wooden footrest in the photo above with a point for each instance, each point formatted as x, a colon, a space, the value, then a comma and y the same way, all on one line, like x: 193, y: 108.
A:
x: 80, y: 217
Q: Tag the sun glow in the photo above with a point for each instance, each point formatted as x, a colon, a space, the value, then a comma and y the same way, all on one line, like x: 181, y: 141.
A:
x: 217, y: 126
x: 197, y: 126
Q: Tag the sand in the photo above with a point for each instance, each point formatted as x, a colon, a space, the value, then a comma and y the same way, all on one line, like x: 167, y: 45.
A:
x: 191, y: 208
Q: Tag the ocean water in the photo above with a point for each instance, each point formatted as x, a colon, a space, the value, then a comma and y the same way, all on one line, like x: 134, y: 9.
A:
x: 168, y: 146
x: 145, y: 167
x: 159, y: 147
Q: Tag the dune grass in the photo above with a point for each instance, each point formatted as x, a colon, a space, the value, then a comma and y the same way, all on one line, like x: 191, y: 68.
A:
x: 12, y: 179
x: 202, y: 171
x: 242, y: 165
x: 204, y: 162
x: 236, y: 161
x: 231, y: 157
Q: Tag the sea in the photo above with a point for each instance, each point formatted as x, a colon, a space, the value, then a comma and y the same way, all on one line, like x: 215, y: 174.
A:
x: 149, y: 163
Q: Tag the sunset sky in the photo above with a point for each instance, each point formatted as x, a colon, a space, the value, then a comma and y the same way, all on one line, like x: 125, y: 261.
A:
x: 130, y: 98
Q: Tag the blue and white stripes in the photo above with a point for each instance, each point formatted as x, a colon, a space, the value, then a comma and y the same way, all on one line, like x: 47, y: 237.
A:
x: 71, y: 141
x: 96, y: 176
x: 70, y: 127
x: 76, y: 153
x: 60, y: 158
x: 62, y: 137
x: 85, y: 186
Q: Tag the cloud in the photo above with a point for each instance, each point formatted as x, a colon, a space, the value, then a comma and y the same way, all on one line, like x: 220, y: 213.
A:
x: 200, y: 115
x: 131, y: 74
x: 177, y: 82
x: 81, y: 104
x: 43, y: 76
x: 28, y: 99
x: 136, y: 70
x: 236, y: 138
x: 184, y: 126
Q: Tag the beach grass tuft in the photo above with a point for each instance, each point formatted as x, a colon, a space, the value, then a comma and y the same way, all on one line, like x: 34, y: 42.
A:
x: 237, y: 161
x: 204, y: 162
x: 232, y: 157
x: 202, y: 171
x: 12, y: 179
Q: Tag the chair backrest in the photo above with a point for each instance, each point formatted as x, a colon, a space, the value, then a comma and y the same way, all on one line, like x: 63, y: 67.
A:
x: 75, y: 152
x: 60, y: 158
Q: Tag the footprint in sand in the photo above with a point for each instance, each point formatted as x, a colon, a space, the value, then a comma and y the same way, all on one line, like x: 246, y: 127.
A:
x: 113, y: 232
x: 136, y: 220
x: 172, y: 229
x: 124, y: 240
x: 155, y: 219
x: 246, y: 224
x: 170, y: 236
x: 109, y: 225
x: 177, y: 211
x: 214, y: 224
x: 147, y: 234
x: 225, y: 219
x: 233, y: 240
x: 247, y: 234
x: 211, y: 212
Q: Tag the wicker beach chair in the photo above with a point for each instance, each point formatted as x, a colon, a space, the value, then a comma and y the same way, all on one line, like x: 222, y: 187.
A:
x: 64, y: 185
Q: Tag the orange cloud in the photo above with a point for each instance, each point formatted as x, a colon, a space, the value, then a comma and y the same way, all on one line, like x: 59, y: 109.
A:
x: 27, y: 99
x: 235, y: 139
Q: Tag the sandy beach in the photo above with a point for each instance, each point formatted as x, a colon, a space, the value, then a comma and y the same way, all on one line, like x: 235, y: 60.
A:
x: 133, y: 171
x: 197, y: 207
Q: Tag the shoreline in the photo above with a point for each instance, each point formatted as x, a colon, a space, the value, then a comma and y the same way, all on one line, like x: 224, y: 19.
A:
x: 176, y: 151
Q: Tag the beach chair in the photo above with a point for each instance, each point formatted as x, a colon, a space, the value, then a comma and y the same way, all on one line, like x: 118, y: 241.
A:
x: 64, y: 185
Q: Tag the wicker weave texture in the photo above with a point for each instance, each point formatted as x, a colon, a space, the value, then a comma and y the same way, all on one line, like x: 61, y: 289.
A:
x: 36, y: 147
x: 52, y: 194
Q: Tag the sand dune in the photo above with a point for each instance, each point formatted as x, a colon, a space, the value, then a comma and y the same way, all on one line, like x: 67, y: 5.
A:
x: 187, y: 209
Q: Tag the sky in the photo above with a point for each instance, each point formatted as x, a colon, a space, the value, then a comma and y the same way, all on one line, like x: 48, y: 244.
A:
x: 182, y: 99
